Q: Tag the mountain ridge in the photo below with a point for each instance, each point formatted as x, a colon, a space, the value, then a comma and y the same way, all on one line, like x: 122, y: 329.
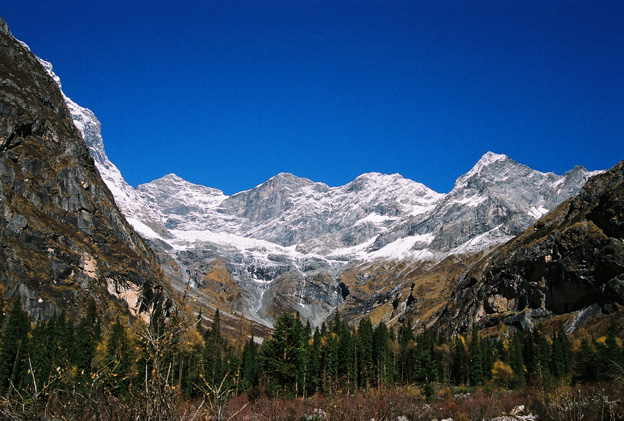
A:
x: 291, y: 238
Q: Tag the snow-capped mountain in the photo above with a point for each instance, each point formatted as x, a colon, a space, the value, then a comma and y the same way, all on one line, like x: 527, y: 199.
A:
x: 292, y: 211
x: 494, y: 201
x: 283, y: 243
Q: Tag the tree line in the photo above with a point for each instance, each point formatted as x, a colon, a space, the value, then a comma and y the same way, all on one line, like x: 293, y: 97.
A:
x: 173, y: 357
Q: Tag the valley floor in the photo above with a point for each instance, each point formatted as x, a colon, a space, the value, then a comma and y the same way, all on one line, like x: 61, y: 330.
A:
x: 595, y: 402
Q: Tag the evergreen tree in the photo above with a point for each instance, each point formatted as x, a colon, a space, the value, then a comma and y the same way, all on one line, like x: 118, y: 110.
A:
x: 215, y: 330
x: 609, y: 355
x: 51, y: 349
x: 585, y: 369
x: 88, y: 335
x: 543, y: 351
x: 213, y: 362
x: 476, y: 358
x: 314, y: 365
x: 66, y: 340
x: 214, y: 370
x: 406, y: 357
x: 488, y: 352
x: 250, y: 369
x: 381, y: 354
x: 516, y: 360
x: 459, y: 369
x: 365, y: 354
x: 426, y: 369
x: 42, y: 350
x: 331, y: 362
x: 307, y: 331
x: 15, y: 344
x: 560, y: 354
x: 118, y: 357
x: 346, y: 367
x: 282, y: 355
x: 536, y: 353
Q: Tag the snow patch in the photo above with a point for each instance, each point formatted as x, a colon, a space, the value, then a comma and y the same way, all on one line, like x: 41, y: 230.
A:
x: 374, y: 218
x: 403, y: 248
x: 538, y: 211
x: 482, y: 241
x: 472, y: 201
x: 141, y: 228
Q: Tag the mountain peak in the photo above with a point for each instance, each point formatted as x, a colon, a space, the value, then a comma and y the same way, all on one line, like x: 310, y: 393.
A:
x: 172, y: 184
x: 286, y: 179
x: 487, y: 167
x: 172, y: 177
x: 490, y: 158
x: 376, y: 176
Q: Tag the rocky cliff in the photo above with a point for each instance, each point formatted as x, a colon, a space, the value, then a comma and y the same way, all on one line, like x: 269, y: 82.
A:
x: 63, y: 237
x: 569, y: 264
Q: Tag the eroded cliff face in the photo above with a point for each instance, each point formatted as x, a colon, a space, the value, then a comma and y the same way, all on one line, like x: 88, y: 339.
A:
x: 569, y: 264
x: 63, y: 238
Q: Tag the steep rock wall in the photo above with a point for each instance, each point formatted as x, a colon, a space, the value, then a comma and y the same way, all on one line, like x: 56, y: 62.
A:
x: 63, y: 238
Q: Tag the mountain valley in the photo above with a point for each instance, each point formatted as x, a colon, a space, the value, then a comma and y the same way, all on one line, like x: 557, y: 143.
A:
x: 507, y: 245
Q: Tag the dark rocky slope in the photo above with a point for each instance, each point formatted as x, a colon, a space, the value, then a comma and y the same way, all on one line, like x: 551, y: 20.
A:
x: 62, y: 237
x: 570, y: 263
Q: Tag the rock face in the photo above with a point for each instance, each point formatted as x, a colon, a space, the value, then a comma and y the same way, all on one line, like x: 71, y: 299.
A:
x: 570, y: 262
x: 63, y: 239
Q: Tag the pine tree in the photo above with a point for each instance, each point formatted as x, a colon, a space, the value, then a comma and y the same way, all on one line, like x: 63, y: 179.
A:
x: 586, y: 367
x: 346, y: 367
x: 282, y: 355
x: 365, y: 355
x: 214, y: 370
x: 15, y: 344
x: 215, y: 330
x: 516, y: 360
x: 250, y: 369
x: 560, y: 354
x: 88, y: 335
x: 314, y: 366
x: 406, y: 357
x: 476, y: 358
x: 66, y: 340
x: 488, y: 352
x: 118, y: 357
x: 42, y: 350
x: 459, y: 369
x: 331, y: 362
x: 543, y: 352
x: 381, y: 354
x: 426, y: 369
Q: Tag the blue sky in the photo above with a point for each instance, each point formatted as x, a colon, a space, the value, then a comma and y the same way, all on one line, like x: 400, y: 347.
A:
x: 228, y: 93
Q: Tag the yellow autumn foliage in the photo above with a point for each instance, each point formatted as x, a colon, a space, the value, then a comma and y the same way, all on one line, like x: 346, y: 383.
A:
x: 502, y: 373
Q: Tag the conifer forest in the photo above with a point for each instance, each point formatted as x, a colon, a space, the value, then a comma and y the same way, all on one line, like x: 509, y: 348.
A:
x: 171, y: 368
